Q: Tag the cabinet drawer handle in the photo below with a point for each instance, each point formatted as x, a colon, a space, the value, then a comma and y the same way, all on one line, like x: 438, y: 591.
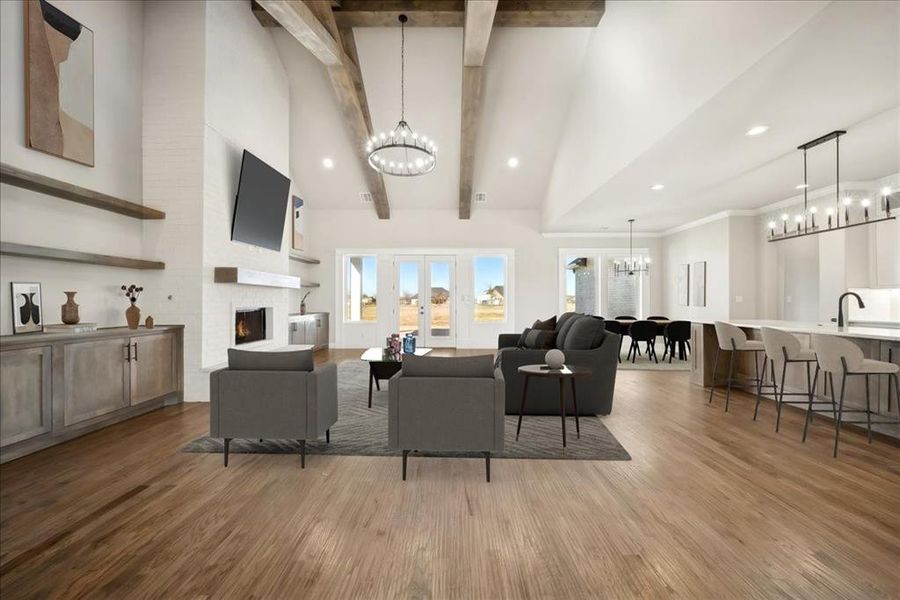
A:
x: 128, y: 354
x: 135, y: 352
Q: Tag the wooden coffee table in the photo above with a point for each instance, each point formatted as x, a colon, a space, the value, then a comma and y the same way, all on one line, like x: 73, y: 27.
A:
x: 381, y: 368
x: 563, y: 374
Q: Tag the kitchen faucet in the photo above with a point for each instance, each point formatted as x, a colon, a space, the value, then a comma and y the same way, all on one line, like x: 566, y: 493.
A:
x: 841, y: 305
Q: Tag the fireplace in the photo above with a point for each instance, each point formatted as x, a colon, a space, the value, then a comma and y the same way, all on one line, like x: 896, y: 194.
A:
x: 250, y: 325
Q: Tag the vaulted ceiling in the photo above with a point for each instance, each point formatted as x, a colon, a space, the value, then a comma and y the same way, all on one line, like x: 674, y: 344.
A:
x: 657, y: 92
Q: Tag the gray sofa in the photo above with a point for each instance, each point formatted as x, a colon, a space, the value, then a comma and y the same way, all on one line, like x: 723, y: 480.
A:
x: 447, y: 404
x: 272, y: 395
x: 595, y: 393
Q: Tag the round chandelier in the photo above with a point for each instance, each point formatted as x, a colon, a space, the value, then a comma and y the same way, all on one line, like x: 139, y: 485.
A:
x: 401, y: 152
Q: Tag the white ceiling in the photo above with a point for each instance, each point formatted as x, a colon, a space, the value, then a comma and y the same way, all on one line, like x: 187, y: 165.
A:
x: 658, y: 92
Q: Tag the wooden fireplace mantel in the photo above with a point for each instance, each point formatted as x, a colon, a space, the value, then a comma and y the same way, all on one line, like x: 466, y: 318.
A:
x: 251, y: 277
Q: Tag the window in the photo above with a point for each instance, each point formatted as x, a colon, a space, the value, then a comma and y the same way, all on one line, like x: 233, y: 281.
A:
x: 623, y: 292
x: 581, y: 284
x: 360, y: 288
x: 489, y: 275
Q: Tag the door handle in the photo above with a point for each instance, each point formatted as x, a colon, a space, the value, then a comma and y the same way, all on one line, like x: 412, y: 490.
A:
x: 135, y: 352
x: 128, y: 355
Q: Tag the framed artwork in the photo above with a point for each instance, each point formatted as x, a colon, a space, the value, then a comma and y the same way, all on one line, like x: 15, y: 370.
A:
x: 59, y: 83
x: 26, y: 307
x: 699, y: 284
x: 682, y: 281
x: 297, y: 220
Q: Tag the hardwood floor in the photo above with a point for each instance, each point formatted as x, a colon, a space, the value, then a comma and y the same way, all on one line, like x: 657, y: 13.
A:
x: 712, y: 505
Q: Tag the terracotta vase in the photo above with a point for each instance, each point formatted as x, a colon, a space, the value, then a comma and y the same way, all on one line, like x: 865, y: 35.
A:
x: 149, y: 322
x: 133, y: 316
x: 69, y: 310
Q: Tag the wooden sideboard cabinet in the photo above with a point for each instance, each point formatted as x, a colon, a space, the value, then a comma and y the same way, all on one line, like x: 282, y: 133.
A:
x: 57, y: 386
x: 311, y: 328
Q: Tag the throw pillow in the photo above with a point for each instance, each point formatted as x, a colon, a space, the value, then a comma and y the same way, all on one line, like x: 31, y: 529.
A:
x: 521, y: 342
x: 249, y: 360
x: 548, y: 325
x: 584, y: 333
x: 540, y: 340
x: 562, y: 331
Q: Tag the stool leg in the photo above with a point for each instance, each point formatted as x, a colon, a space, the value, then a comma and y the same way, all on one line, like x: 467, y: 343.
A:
x: 840, y: 412
x: 712, y: 388
x: 868, y: 411
x: 730, y: 376
x: 809, y: 409
x: 781, y: 398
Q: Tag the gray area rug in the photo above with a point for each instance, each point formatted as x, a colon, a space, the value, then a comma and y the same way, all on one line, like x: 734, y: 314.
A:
x: 363, y: 431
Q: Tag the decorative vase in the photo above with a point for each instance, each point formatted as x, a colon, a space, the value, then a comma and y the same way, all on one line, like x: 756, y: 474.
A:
x: 69, y: 310
x: 555, y: 359
x: 303, y: 307
x: 133, y: 316
x: 148, y: 322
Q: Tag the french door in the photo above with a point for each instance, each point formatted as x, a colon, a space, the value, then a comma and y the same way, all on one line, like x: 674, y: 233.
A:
x: 425, y: 299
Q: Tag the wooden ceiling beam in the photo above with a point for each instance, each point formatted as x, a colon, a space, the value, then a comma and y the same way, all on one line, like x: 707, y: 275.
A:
x: 477, y: 33
x: 451, y: 13
x: 312, y: 23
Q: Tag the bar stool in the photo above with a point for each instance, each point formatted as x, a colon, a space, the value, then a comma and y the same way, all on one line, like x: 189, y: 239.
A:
x: 785, y: 348
x: 838, y: 355
x: 732, y: 338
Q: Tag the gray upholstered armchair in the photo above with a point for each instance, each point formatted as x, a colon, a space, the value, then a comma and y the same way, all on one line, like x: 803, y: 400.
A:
x: 447, y: 404
x: 272, y: 395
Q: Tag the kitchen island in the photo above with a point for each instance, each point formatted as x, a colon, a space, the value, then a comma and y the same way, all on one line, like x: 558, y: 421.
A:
x: 879, y: 343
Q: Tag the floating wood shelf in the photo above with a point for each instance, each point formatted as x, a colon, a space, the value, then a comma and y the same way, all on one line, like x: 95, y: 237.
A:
x: 304, y: 259
x: 73, y: 193
x: 250, y: 277
x: 105, y: 260
x: 310, y: 284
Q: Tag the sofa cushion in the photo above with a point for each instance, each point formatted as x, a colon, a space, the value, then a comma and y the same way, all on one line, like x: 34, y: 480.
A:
x: 250, y: 360
x: 584, y: 334
x: 548, y: 325
x: 521, y: 342
x: 562, y: 331
x: 437, y: 366
x: 536, y: 339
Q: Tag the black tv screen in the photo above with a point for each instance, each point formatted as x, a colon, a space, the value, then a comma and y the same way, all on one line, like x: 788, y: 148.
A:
x: 261, y: 204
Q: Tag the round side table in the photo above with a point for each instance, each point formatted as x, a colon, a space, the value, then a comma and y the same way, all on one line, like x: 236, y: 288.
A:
x: 566, y: 373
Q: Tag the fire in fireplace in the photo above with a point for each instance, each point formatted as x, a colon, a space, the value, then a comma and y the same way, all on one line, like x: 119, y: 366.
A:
x: 249, y: 325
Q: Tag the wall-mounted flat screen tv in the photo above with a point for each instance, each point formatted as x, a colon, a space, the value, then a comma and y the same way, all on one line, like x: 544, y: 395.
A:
x: 261, y: 204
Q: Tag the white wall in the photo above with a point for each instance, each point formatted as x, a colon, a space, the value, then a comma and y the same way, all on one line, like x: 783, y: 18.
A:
x: 536, y: 293
x: 30, y: 218
x: 708, y: 242
x: 247, y: 107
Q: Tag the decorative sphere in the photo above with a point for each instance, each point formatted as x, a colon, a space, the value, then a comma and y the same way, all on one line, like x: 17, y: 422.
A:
x: 555, y: 359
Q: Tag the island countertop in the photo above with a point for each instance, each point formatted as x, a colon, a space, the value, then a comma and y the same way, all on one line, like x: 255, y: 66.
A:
x: 853, y: 331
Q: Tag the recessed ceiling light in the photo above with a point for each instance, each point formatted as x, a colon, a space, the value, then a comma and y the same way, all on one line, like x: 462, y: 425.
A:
x: 656, y: 187
x: 757, y: 129
x: 802, y: 186
x: 327, y: 163
x: 512, y: 162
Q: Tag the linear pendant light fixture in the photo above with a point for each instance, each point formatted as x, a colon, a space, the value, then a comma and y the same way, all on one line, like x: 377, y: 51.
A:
x: 631, y: 266
x: 401, y: 152
x: 805, y: 224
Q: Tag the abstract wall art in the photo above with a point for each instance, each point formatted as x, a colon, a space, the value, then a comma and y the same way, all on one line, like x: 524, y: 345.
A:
x: 682, y: 281
x: 59, y: 83
x: 298, y: 221
x: 26, y: 306
x: 699, y: 284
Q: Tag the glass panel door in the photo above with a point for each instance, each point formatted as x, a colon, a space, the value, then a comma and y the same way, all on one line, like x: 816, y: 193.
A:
x: 440, y: 330
x: 409, y: 284
x: 623, y: 292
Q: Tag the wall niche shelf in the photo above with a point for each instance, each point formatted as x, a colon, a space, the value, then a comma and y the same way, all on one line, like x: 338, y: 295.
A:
x: 251, y: 277
x: 304, y: 259
x: 88, y: 258
x: 73, y: 193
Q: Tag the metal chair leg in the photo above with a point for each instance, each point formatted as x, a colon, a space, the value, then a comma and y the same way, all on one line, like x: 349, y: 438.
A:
x: 405, y: 455
x: 302, y: 454
x: 809, y: 409
x: 759, y: 384
x: 712, y: 387
x: 840, y: 413
x: 227, y: 443
x: 487, y: 466
x: 781, y: 398
x: 730, y: 376
x: 868, y: 411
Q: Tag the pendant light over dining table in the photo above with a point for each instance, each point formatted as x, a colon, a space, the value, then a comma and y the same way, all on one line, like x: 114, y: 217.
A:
x: 631, y: 266
x: 401, y: 152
